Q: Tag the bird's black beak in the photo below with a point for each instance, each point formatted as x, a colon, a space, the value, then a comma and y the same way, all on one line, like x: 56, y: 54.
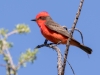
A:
x: 33, y: 20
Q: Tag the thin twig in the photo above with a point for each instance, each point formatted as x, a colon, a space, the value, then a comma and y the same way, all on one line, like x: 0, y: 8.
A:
x: 39, y: 46
x: 71, y: 67
x: 8, y: 68
x: 6, y: 53
x: 71, y: 33
x: 76, y: 30
x: 10, y: 59
x: 22, y: 62
x: 80, y: 34
x: 59, y: 55
x: 11, y: 33
x: 42, y: 45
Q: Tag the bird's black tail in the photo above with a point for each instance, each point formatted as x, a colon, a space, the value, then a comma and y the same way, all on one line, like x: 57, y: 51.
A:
x: 86, y: 49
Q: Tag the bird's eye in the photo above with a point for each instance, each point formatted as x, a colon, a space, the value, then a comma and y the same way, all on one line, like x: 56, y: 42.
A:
x: 42, y: 17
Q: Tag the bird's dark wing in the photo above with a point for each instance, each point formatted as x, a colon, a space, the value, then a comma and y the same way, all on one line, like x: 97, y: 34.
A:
x: 56, y: 27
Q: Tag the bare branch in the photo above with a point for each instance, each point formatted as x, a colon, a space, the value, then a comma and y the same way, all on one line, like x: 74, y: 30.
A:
x: 71, y: 33
x: 42, y: 45
x: 6, y: 53
x: 11, y: 33
x: 59, y: 55
x: 10, y: 59
x: 59, y: 58
x: 20, y: 63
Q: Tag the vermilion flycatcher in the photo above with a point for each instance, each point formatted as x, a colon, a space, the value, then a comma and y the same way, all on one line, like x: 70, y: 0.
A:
x: 53, y: 32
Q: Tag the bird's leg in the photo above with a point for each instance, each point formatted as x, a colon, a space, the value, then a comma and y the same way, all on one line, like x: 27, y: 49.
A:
x: 45, y: 42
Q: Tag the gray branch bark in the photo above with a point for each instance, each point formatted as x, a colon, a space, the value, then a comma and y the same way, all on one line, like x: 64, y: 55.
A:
x: 71, y: 34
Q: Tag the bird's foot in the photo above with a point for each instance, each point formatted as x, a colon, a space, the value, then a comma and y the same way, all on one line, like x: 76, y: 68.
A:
x: 45, y: 42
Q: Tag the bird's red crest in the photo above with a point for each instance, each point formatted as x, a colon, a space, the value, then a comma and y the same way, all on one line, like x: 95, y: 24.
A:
x: 43, y: 13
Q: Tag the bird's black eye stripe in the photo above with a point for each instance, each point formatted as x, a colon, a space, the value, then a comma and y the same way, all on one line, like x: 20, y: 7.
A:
x: 42, y: 17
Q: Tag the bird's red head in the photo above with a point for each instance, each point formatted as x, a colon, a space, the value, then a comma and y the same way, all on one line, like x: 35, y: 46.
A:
x: 43, y: 13
x: 41, y: 18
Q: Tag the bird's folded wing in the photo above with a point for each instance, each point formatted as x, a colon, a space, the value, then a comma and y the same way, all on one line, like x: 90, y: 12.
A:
x: 56, y: 27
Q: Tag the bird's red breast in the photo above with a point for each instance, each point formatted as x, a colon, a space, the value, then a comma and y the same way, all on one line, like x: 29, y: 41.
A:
x: 52, y: 35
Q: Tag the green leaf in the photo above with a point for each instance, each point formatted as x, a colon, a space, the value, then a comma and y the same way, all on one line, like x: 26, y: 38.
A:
x: 22, y: 28
x: 3, y: 31
x: 9, y: 44
x: 1, y: 44
x: 28, y: 56
x: 6, y: 58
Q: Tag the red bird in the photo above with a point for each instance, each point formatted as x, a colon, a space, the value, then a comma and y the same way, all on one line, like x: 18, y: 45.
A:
x: 55, y: 33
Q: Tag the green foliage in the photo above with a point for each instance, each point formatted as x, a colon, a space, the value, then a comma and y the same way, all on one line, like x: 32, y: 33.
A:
x: 1, y: 44
x: 5, y: 58
x: 3, y: 31
x: 7, y: 44
x: 22, y: 28
x: 28, y: 56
